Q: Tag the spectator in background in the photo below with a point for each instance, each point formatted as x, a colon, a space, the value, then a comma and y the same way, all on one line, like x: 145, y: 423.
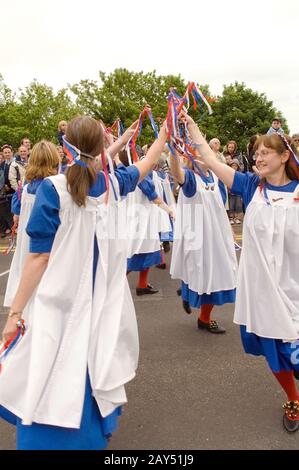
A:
x: 251, y: 153
x: 235, y: 202
x: 295, y: 142
x: 6, y: 191
x: 215, y: 146
x: 139, y: 151
x: 62, y: 159
x: 17, y: 168
x: 27, y: 143
x: 275, y: 127
x: 231, y: 153
x: 62, y: 127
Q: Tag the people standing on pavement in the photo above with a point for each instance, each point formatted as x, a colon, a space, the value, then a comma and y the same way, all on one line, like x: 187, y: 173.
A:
x: 295, y: 142
x: 17, y: 168
x: 231, y: 153
x: 235, y: 201
x: 267, y: 303
x: 63, y: 384
x: 215, y: 146
x: 6, y: 192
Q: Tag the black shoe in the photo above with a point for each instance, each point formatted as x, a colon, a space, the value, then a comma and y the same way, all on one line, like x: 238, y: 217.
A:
x: 290, y: 418
x: 161, y: 266
x: 296, y: 374
x: 212, y: 327
x: 166, y: 247
x: 290, y: 425
x: 179, y: 292
x: 186, y: 307
x: 146, y: 290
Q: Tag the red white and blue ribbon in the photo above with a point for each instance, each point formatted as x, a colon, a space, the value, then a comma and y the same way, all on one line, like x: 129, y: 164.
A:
x: 264, y: 194
x: 7, y: 347
x: 198, y: 98
x: 293, y: 155
x: 11, y: 240
x: 117, y: 128
x: 131, y: 144
x: 73, y: 154
x: 178, y: 135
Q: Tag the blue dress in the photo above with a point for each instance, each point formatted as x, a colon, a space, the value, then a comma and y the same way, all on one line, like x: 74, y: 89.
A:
x: 94, y: 430
x: 194, y: 298
x: 279, y: 355
x: 143, y: 261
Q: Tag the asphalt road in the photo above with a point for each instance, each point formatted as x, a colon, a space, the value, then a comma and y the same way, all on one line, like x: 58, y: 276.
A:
x: 193, y: 390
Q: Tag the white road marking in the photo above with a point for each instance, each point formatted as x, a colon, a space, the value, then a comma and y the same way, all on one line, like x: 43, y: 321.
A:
x: 5, y: 272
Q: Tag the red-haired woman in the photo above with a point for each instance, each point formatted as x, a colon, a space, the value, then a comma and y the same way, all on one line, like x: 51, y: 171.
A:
x: 267, y: 303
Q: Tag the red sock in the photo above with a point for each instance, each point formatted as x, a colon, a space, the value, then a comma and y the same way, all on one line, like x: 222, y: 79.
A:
x: 143, y: 275
x: 205, y: 313
x: 287, y: 381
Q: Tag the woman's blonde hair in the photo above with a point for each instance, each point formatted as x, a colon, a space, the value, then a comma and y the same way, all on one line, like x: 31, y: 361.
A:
x: 61, y: 124
x: 43, y: 161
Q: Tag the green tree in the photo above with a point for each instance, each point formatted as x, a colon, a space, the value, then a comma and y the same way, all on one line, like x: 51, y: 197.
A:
x: 11, y: 130
x: 41, y: 109
x: 123, y: 94
x: 240, y: 113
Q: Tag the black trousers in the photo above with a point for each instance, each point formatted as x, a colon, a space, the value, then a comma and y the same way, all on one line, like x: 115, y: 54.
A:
x: 6, y: 220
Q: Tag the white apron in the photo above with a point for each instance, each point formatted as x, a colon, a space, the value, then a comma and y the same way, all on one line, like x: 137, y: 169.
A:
x: 268, y: 281
x: 164, y: 221
x: 114, y: 336
x: 170, y: 200
x: 22, y: 248
x: 203, y: 251
x: 49, y: 364
x: 142, y: 224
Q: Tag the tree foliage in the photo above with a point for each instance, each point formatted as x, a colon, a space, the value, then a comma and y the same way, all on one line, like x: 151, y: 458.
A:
x: 123, y: 94
x: 35, y: 112
x: 11, y: 130
x: 240, y: 113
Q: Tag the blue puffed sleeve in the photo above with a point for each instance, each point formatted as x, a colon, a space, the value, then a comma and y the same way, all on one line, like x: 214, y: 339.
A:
x: 222, y: 191
x: 44, y: 220
x: 148, y: 188
x: 189, y: 186
x: 128, y: 177
x: 16, y: 202
x: 245, y: 185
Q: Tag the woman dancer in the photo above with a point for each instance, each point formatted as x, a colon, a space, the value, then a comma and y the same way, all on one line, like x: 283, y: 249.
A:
x: 267, y: 304
x: 203, y: 255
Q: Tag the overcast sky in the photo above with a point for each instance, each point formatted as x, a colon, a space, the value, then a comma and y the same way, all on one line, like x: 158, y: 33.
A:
x: 208, y: 41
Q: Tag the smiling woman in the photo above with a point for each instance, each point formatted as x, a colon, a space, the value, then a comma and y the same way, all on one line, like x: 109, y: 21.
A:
x: 273, y: 159
x: 267, y: 302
